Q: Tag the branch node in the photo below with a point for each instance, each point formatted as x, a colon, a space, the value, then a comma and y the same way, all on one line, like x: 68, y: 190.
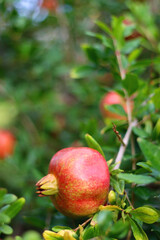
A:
x: 118, y: 134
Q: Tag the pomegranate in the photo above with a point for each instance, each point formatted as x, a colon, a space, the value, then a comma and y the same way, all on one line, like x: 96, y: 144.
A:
x: 77, y: 182
x: 50, y: 5
x: 110, y: 99
x: 7, y: 143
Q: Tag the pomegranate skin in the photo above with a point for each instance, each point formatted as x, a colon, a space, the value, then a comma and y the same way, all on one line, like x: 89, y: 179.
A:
x: 7, y: 143
x: 83, y: 181
x: 110, y: 99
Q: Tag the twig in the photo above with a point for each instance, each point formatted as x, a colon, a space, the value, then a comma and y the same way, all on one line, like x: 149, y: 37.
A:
x: 128, y: 104
x: 129, y: 235
x: 126, y: 141
x: 83, y: 224
x: 128, y: 199
x: 118, y: 135
x: 133, y: 153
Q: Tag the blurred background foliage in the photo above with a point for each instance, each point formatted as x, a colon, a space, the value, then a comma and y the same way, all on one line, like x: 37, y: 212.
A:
x: 52, y: 77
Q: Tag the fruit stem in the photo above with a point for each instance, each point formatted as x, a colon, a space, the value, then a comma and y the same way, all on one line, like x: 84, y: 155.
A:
x: 47, y: 186
x: 83, y: 224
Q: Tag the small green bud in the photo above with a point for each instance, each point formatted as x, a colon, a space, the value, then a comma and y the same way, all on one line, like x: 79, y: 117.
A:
x: 112, y: 197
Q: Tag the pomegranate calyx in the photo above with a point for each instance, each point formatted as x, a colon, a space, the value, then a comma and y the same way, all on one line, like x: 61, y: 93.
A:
x: 47, y: 186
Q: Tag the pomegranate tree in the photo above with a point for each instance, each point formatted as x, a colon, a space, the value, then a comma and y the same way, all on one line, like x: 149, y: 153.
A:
x: 77, y: 182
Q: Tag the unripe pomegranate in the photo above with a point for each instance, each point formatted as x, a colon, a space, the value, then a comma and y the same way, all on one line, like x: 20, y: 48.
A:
x: 110, y: 99
x: 77, y: 182
x: 7, y: 143
x: 112, y: 197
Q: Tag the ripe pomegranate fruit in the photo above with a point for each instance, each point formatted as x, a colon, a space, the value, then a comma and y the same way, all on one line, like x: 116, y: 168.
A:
x: 7, y: 143
x: 110, y: 99
x: 77, y: 182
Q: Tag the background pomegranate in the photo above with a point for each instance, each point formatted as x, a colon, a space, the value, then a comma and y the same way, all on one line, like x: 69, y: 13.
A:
x: 7, y: 143
x: 110, y: 99
x: 50, y: 5
x: 78, y: 181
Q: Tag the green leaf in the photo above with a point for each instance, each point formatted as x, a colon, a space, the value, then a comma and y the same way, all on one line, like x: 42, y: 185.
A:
x: 4, y: 218
x: 146, y: 214
x: 3, y: 191
x: 146, y: 166
x: 144, y: 63
x: 151, y: 152
x: 91, y: 232
x: 140, y: 132
x: 107, y: 42
x: 7, y: 199
x: 131, y: 45
x: 138, y: 232
x: 118, y: 185
x: 130, y: 83
x: 18, y: 238
x: 134, y: 54
x: 6, y: 229
x: 104, y: 27
x: 119, y: 230
x: 32, y: 235
x: 116, y: 108
x: 156, y: 98
x: 156, y: 130
x: 91, y: 52
x: 104, y: 220
x: 59, y: 228
x: 138, y: 179
x: 82, y: 71
x: 92, y: 143
x: 14, y: 208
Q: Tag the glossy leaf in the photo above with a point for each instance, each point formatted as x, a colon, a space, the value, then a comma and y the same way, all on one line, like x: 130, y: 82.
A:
x: 6, y: 229
x: 104, y: 27
x: 116, y: 108
x: 14, y: 208
x: 138, y: 179
x: 104, y: 220
x: 118, y: 185
x: 92, y: 143
x: 7, y: 199
x: 146, y: 214
x: 138, y: 232
x: 151, y: 152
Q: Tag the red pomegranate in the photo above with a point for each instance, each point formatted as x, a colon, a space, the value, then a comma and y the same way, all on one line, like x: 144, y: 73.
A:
x: 110, y: 99
x: 50, y: 5
x: 77, y: 182
x: 7, y: 143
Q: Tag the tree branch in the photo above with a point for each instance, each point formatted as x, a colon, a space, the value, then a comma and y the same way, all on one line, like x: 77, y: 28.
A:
x: 122, y: 149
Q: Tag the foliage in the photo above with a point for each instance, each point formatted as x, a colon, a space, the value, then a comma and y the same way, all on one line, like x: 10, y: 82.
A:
x: 9, y: 207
